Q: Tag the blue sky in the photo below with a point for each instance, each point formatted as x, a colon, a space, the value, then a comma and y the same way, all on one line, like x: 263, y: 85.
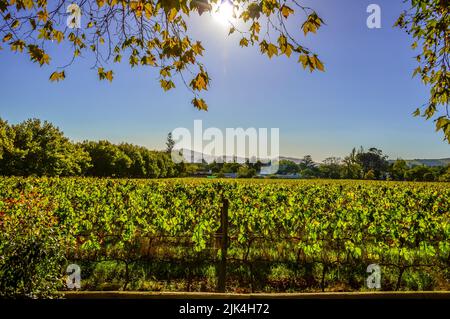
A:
x: 365, y: 97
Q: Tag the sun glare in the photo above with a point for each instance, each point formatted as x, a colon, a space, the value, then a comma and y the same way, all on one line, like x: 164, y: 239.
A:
x: 223, y: 12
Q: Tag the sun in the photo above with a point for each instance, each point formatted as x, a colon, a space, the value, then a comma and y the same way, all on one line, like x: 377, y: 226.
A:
x: 223, y: 12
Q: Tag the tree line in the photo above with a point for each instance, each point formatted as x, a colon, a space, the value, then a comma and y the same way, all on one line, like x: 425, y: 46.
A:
x: 38, y: 148
x: 369, y: 164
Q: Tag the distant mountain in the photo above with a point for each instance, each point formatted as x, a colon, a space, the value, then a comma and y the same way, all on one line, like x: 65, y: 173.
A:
x: 410, y: 163
x: 198, y: 156
x: 292, y: 159
x: 426, y: 162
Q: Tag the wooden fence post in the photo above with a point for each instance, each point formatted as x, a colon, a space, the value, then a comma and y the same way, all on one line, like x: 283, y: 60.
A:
x: 223, y: 233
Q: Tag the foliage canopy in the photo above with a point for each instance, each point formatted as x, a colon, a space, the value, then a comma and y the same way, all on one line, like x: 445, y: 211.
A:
x: 151, y: 33
x: 155, y: 33
x: 428, y: 22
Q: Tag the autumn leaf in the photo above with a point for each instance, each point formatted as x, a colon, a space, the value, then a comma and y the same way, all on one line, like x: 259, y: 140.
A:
x: 268, y: 48
x: 38, y: 55
x: 442, y: 122
x: 272, y: 50
x: 109, y: 75
x: 312, y: 23
x: 200, y: 104
x: 198, y: 48
x: 58, y: 36
x: 317, y: 63
x: 253, y: 11
x: 57, y: 76
x: 42, y: 16
x: 102, y: 75
x: 166, y: 85
x: 286, y: 11
x: 18, y: 45
x: 7, y: 37
x: 255, y: 27
x: 148, y: 60
x: 304, y: 60
x: 172, y: 14
x: 285, y: 47
x: 243, y: 42
x: 148, y: 10
x: 15, y: 24
x: 165, y: 72
x: 200, y: 82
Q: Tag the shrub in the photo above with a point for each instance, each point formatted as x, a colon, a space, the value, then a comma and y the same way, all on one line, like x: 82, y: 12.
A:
x: 370, y: 175
x: 32, y: 252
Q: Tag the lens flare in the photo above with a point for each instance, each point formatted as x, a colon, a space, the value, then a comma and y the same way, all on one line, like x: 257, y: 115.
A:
x: 223, y: 12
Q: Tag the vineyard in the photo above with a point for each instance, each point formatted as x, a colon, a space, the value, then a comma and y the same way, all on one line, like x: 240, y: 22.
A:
x: 224, y: 235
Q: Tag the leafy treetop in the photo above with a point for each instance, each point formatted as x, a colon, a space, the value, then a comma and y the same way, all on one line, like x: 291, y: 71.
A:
x: 428, y: 22
x: 149, y: 33
x: 155, y: 33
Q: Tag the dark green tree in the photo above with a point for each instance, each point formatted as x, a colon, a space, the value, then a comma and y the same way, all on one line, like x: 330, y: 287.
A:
x: 287, y: 167
x: 331, y: 168
x: 107, y: 159
x: 420, y: 173
x: 373, y: 160
x: 39, y: 148
x: 445, y: 176
x: 151, y: 167
x: 307, y: 168
x: 351, y: 168
x: 170, y: 143
x: 370, y: 175
x: 137, y: 167
x: 307, y: 162
x: 398, y: 169
x: 245, y: 171
x: 6, y: 138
